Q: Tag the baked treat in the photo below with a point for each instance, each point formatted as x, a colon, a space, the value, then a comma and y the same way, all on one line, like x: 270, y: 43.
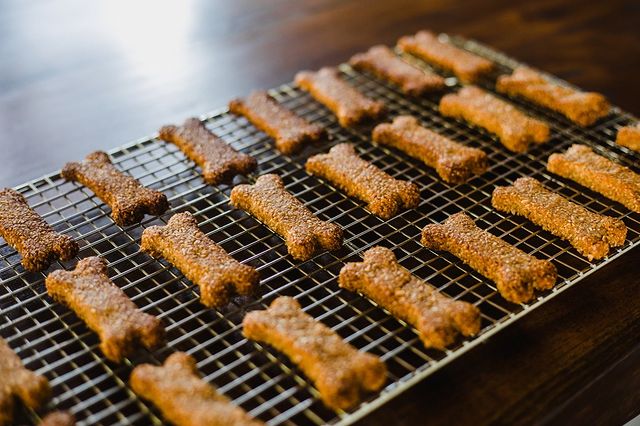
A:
x: 339, y: 371
x: 437, y: 318
x: 128, y: 199
x: 465, y: 65
x: 290, y: 131
x: 26, y: 231
x: 583, y: 108
x: 384, y: 195
x: 383, y: 63
x: 629, y: 136
x: 219, y: 161
x: 599, y: 174
x: 105, y: 308
x: 19, y: 383
x: 348, y: 104
x: 183, y: 397
x: 590, y: 233
x: 202, y: 261
x: 515, y: 129
x: 58, y: 418
x: 270, y: 203
x: 454, y: 162
x: 515, y: 272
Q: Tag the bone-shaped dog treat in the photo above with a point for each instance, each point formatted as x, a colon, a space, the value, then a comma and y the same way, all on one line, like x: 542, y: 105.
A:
x: 347, y: 103
x: 105, y: 308
x: 515, y: 129
x: 339, y: 371
x: 583, y: 108
x: 202, y: 261
x: 24, y: 229
x: 465, y: 65
x: 629, y: 136
x: 599, y: 174
x: 383, y: 63
x: 269, y: 202
x: 437, y: 318
x: 128, y: 199
x: 590, y: 233
x: 183, y: 397
x: 384, y: 195
x: 290, y: 131
x: 515, y: 272
x: 18, y: 382
x: 454, y: 162
x: 219, y: 161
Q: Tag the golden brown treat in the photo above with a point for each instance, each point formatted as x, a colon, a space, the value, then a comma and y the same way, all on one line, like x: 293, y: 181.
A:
x: 58, y: 418
x: 202, y: 261
x: 590, y: 233
x: 340, y: 372
x: 183, y: 397
x: 348, y: 104
x: 630, y: 137
x: 583, y: 108
x: 384, y: 195
x: 465, y: 65
x: 454, y: 162
x: 18, y: 382
x: 515, y: 272
x: 128, y: 199
x: 515, y: 129
x: 24, y: 229
x: 270, y: 203
x: 105, y: 308
x: 437, y: 318
x: 383, y: 63
x: 599, y: 174
x: 219, y: 161
x: 290, y: 131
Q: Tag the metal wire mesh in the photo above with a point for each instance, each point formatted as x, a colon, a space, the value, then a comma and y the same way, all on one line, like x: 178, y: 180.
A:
x: 53, y: 341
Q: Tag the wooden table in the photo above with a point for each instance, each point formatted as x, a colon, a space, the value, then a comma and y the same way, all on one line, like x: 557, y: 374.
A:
x: 74, y: 78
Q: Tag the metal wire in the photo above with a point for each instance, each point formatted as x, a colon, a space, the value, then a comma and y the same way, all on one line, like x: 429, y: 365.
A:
x: 53, y: 341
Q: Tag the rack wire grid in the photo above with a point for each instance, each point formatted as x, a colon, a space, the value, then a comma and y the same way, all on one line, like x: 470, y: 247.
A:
x: 51, y: 340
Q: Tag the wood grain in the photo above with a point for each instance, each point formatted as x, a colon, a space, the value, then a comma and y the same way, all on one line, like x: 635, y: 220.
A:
x: 75, y: 78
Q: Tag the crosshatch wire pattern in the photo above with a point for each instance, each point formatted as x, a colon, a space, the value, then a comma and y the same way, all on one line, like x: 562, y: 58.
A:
x: 53, y: 341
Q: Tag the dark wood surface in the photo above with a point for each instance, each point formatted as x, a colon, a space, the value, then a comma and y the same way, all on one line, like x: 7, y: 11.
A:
x: 78, y: 76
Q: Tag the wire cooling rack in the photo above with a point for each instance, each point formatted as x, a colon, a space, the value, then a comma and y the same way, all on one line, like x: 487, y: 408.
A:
x: 53, y: 341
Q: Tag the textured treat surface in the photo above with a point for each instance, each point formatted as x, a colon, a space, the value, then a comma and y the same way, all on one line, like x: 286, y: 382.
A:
x: 515, y: 272
x: 341, y: 373
x: 269, y: 201
x: 183, y: 397
x: 202, y: 261
x: 437, y: 318
x: 219, y: 161
x: 384, y: 195
x: 290, y: 131
x: 454, y: 162
x: 24, y: 229
x: 58, y: 418
x: 346, y: 102
x: 599, y: 174
x: 128, y: 199
x: 583, y: 108
x: 465, y: 65
x: 383, y: 63
x: 629, y: 136
x: 514, y: 128
x: 16, y: 382
x: 590, y: 233
x: 105, y: 308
